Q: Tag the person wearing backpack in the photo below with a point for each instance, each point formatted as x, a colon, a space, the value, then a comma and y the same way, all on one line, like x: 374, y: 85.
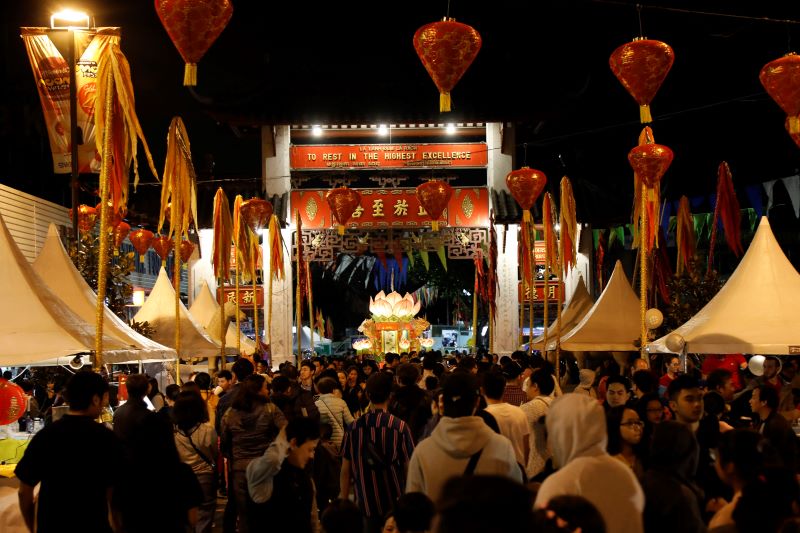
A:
x: 333, y: 410
x: 282, y: 496
x: 375, y: 454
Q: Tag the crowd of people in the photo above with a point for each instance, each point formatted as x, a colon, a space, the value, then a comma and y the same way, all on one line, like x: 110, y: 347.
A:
x: 426, y: 443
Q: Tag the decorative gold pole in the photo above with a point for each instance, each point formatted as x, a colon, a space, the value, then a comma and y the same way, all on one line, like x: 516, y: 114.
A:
x: 475, y: 311
x: 254, y: 259
x: 223, y: 322
x: 561, y: 268
x: 176, y: 260
x: 643, y: 281
x: 238, y: 322
x: 310, y: 298
x: 299, y: 294
x: 531, y: 285
x: 102, y: 259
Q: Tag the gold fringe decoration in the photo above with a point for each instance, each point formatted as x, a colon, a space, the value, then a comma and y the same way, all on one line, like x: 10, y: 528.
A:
x: 550, y: 258
x: 643, y: 281
x: 644, y: 114
x: 241, y: 243
x: 444, y: 104
x: 221, y: 255
x: 685, y: 236
x: 298, y: 310
x: 276, y: 269
x: 567, y: 242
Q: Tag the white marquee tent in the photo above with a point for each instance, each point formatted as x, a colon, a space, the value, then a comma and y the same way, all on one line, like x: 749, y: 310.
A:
x: 757, y: 311
x: 580, y: 304
x: 305, y: 338
x: 159, y: 311
x: 57, y: 271
x: 205, y: 308
x: 613, y: 322
x: 36, y: 327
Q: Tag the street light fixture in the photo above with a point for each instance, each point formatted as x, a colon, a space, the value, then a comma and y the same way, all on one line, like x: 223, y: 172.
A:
x: 69, y: 19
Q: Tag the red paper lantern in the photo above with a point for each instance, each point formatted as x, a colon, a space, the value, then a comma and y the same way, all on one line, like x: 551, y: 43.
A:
x: 526, y: 184
x: 256, y: 213
x: 163, y: 246
x: 121, y: 231
x: 87, y: 217
x: 650, y: 162
x: 141, y: 239
x: 187, y: 247
x: 434, y: 196
x: 193, y: 26
x: 113, y: 218
x: 343, y: 202
x: 641, y: 66
x: 446, y: 49
x: 12, y: 402
x: 781, y: 79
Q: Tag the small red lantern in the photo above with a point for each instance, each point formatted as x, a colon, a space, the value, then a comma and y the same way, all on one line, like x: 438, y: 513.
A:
x: 434, y: 196
x: 446, y: 48
x: 781, y: 79
x: 343, y: 202
x: 641, y: 67
x: 12, y: 402
x: 526, y: 184
x: 121, y: 231
x: 256, y: 213
x: 193, y: 26
x: 141, y: 239
x: 163, y: 246
x: 187, y: 248
x: 650, y: 162
x: 87, y: 217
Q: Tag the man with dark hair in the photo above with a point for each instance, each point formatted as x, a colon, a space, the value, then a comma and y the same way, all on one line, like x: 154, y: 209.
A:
x: 617, y: 391
x: 513, y: 394
x: 644, y: 382
x: 484, y: 504
x: 240, y: 370
x: 413, y: 513
x: 129, y: 418
x: 391, y: 362
x: 224, y: 382
x: 721, y: 381
x: 686, y: 400
x: 410, y: 403
x: 307, y: 370
x: 510, y: 419
x: 673, y: 364
x: 50, y: 459
x: 540, y: 392
x: 468, y: 364
x: 734, y: 363
x: 774, y: 427
x: 461, y: 444
x: 375, y: 454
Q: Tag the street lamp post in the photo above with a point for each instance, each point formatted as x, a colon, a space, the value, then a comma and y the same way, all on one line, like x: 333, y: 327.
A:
x: 69, y: 20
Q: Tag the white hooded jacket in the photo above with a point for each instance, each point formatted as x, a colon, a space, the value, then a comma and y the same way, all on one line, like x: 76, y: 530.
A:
x: 576, y: 427
x: 448, y: 450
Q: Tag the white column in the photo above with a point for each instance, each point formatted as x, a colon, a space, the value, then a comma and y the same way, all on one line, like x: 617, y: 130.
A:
x: 506, y: 333
x: 583, y: 266
x: 275, y: 151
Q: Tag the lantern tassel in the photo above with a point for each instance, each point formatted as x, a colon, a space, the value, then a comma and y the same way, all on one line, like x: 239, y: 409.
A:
x: 444, y: 102
x: 794, y: 125
x: 434, y: 225
x: 190, y: 75
x: 644, y: 114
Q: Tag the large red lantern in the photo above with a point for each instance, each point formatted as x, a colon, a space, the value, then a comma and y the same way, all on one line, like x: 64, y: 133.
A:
x: 526, y: 184
x: 141, y: 239
x: 12, y: 402
x: 641, y: 66
x: 256, y: 213
x: 343, y: 202
x: 193, y: 26
x: 187, y: 248
x: 781, y: 79
x: 163, y: 246
x: 87, y: 217
x: 446, y: 48
x: 434, y: 196
x: 650, y: 162
x: 121, y: 231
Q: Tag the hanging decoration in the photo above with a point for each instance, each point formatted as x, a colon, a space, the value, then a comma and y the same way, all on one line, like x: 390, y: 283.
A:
x: 446, y: 48
x: 163, y: 246
x: 12, y: 402
x: 491, y: 280
x: 87, y: 217
x: 641, y: 67
x: 300, y: 284
x: 343, y: 201
x: 276, y: 268
x: 242, y: 247
x: 599, y: 257
x: 525, y: 185
x: 795, y: 136
x: 727, y: 211
x: 781, y: 79
x: 551, y: 258
x: 141, y: 239
x: 684, y: 236
x: 193, y: 26
x: 221, y: 259
x: 434, y: 195
x: 479, y: 292
x: 120, y: 231
x: 567, y: 254
x: 257, y: 213
x: 186, y: 250
x: 115, y: 216
x: 662, y: 271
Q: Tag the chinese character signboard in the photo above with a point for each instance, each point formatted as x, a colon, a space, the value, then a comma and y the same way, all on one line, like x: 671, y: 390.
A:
x: 246, y: 295
x: 364, y: 156
x: 554, y: 287
x: 394, y: 208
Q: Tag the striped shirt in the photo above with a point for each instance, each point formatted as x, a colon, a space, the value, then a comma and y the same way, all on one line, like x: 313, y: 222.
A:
x: 514, y: 394
x: 377, y: 490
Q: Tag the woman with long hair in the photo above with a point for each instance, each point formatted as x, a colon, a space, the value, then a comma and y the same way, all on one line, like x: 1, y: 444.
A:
x: 248, y: 428
x: 196, y: 441
x: 624, y: 437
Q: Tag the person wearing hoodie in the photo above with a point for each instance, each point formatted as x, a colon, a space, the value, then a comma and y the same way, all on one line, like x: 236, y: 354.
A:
x: 461, y: 444
x: 576, y: 428
x: 586, y: 385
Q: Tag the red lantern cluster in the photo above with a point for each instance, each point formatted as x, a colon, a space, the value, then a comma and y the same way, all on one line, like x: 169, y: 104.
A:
x: 163, y: 246
x: 141, y: 239
x: 256, y: 213
x: 343, y: 202
x: 781, y: 79
x: 525, y: 185
x: 12, y: 402
x: 446, y: 48
x: 641, y: 66
x: 87, y: 217
x: 193, y: 26
x: 434, y: 196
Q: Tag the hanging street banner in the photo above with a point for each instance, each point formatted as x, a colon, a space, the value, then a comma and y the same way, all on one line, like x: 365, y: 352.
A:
x: 364, y: 156
x: 246, y: 295
x: 393, y: 208
x: 554, y: 288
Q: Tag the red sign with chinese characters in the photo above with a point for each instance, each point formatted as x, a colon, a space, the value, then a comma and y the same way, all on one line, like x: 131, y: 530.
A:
x: 554, y: 287
x: 356, y: 156
x: 246, y: 295
x: 394, y: 208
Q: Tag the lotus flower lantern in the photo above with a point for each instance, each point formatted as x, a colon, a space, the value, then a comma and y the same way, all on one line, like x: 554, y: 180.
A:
x: 426, y: 343
x: 392, y: 305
